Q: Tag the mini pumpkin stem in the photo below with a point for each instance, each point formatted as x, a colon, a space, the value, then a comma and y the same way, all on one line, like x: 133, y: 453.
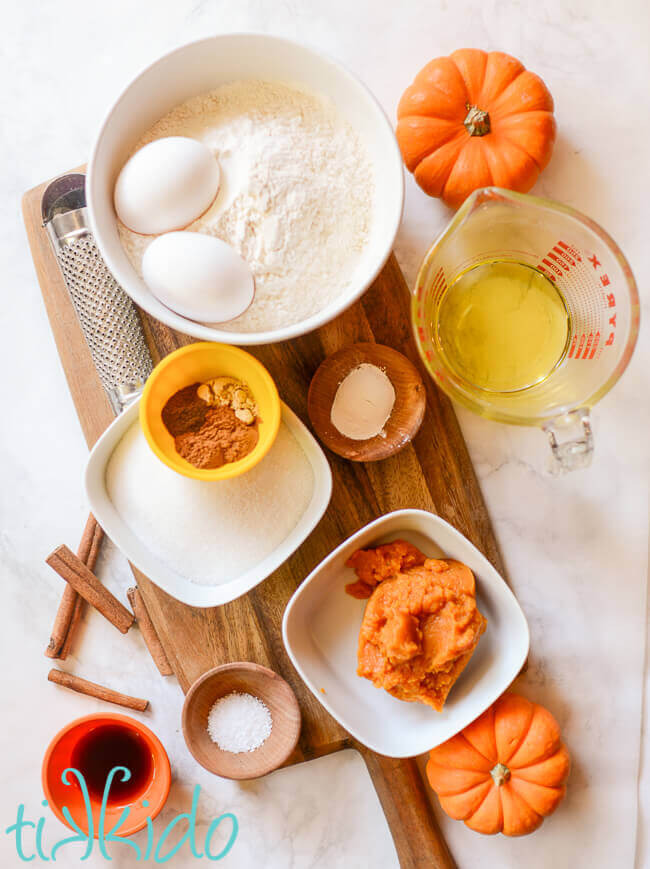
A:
x: 477, y: 122
x: 500, y: 774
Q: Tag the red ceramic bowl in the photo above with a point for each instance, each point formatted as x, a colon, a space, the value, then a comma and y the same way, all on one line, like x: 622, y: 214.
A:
x: 153, y: 790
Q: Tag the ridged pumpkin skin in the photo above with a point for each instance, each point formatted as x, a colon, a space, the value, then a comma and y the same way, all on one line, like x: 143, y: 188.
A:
x: 475, y: 119
x: 505, y: 772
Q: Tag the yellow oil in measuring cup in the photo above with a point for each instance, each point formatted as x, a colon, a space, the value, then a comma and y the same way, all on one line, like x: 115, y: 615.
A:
x: 502, y: 326
x: 526, y: 312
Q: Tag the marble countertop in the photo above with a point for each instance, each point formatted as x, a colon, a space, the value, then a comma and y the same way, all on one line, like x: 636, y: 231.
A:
x: 575, y: 547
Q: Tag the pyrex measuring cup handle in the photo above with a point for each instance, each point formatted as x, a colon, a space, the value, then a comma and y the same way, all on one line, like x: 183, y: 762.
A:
x: 572, y: 441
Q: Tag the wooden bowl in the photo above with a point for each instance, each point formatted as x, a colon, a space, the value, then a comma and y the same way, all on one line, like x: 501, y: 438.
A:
x: 407, y: 413
x: 244, y: 678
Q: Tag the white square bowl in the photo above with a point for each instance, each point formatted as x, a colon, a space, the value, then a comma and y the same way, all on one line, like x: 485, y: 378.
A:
x: 321, y: 629
x: 146, y: 559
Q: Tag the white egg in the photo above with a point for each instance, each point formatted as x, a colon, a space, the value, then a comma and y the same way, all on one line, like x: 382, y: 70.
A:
x: 198, y: 276
x: 166, y: 185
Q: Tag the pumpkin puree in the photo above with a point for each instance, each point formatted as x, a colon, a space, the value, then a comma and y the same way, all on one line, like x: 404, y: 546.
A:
x: 421, y: 623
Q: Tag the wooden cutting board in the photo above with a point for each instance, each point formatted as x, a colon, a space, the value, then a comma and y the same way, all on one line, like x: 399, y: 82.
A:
x: 434, y: 473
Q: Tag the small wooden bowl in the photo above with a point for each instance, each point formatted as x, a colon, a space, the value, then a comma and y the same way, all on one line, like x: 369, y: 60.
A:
x: 408, y: 410
x: 244, y: 678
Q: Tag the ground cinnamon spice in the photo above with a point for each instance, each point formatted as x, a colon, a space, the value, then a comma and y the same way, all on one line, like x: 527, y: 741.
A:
x: 221, y: 439
x: 207, y: 437
x: 184, y: 411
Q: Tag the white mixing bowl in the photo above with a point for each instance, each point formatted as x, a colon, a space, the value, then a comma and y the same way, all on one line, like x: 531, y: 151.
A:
x: 202, y: 66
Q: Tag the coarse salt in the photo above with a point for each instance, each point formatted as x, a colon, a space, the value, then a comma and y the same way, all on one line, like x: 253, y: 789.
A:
x: 239, y: 722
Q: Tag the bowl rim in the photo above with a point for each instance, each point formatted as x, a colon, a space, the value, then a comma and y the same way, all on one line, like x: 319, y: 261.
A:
x: 139, y: 555
x: 272, y: 336
x: 126, y: 829
x: 383, y: 446
x: 480, y: 405
x: 230, y: 469
x: 303, y: 587
x: 250, y: 666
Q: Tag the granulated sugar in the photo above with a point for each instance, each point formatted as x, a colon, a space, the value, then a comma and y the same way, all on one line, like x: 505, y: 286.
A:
x: 210, y: 532
x: 296, y: 194
x: 239, y: 722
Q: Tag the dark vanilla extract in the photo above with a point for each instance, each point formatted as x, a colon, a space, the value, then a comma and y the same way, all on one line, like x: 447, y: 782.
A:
x: 108, y: 746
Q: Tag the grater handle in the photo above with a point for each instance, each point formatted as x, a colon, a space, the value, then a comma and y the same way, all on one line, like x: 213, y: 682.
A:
x: 109, y: 320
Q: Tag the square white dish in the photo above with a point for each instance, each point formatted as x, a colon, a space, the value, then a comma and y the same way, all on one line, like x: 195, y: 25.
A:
x: 166, y: 577
x: 321, y: 629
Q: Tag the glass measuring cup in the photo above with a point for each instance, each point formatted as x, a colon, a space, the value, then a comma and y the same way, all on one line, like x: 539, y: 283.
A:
x: 598, y: 289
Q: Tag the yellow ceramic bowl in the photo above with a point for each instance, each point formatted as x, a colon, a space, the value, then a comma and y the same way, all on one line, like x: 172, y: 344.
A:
x: 200, y: 362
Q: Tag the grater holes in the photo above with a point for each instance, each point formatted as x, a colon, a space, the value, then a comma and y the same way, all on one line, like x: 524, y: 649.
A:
x: 108, y: 317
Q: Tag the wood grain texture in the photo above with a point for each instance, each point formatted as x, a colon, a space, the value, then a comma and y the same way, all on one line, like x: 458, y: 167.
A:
x: 434, y: 472
x: 148, y: 631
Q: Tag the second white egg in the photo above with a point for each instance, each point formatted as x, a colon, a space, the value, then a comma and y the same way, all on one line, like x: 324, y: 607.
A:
x: 198, y: 276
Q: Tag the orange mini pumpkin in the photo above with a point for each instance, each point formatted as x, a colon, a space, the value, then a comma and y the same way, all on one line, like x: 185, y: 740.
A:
x: 505, y: 772
x: 475, y: 119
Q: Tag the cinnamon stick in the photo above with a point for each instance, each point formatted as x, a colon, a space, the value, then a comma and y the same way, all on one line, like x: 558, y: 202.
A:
x: 84, y: 581
x: 71, y: 605
x: 62, y: 622
x: 88, y: 552
x: 148, y: 631
x: 74, y: 621
x: 91, y: 542
x: 92, y: 689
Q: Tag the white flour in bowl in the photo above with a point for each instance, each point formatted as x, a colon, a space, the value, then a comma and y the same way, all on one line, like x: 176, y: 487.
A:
x: 210, y: 532
x: 295, y: 199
